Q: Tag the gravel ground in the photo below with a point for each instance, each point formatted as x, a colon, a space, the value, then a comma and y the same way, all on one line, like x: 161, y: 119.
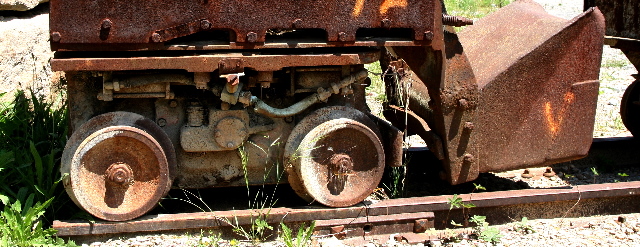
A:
x: 616, y: 230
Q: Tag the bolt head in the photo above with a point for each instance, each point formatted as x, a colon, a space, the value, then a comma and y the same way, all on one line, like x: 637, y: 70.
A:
x: 156, y: 37
x: 342, y: 36
x: 162, y: 122
x: 252, y: 37
x: 428, y: 36
x: 173, y: 104
x: 296, y: 23
x: 386, y: 23
x: 205, y: 24
x: 55, y: 37
x: 468, y: 125
x: 106, y: 24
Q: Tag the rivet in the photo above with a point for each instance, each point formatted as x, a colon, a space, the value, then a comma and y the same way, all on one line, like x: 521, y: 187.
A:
x: 428, y: 36
x: 173, y: 104
x: 296, y: 23
x: 468, y: 157
x: 252, y: 37
x: 162, y: 122
x: 205, y: 24
x: 468, y: 125
x: 526, y: 174
x: 230, y: 144
x: 55, y: 37
x: 386, y: 23
x: 342, y: 36
x: 106, y: 24
x: 155, y: 37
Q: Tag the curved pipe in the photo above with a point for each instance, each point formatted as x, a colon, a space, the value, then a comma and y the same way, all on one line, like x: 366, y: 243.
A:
x: 321, y: 96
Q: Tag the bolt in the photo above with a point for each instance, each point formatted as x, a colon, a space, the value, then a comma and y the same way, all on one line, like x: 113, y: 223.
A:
x: 106, y: 24
x: 205, y: 24
x: 162, y: 122
x: 296, y: 23
x: 155, y: 37
x: 173, y: 104
x: 386, y: 23
x: 469, y: 158
x: 428, y: 36
x: 55, y: 37
x: 462, y: 103
x: 252, y: 37
x: 549, y: 172
x: 230, y: 144
x: 526, y: 174
x: 468, y: 125
x: 288, y: 119
x: 119, y: 173
x: 342, y: 36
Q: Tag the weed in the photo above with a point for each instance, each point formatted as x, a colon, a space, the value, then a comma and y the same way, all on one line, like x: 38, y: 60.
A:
x: 595, y: 174
x: 523, y: 226
x: 473, y: 8
x: 623, y: 174
x: 484, y: 231
x: 32, y: 136
x: 212, y: 240
x: 21, y: 223
x: 303, y: 238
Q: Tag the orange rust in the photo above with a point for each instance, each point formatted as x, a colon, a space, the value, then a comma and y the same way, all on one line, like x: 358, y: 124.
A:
x: 554, y: 122
x: 357, y: 9
x: 388, y: 4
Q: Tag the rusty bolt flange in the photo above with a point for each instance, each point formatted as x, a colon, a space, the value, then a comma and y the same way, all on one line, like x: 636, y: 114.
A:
x: 252, y: 37
x: 526, y: 174
x: 342, y: 36
x: 156, y: 37
x: 549, y: 172
x: 106, y: 24
x: 420, y: 225
x: 341, y: 162
x: 119, y: 173
x: 55, y: 37
x: 205, y: 25
x: 386, y: 23
x: 297, y: 23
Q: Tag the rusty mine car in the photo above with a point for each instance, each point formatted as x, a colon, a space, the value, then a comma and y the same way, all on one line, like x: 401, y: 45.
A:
x: 205, y: 93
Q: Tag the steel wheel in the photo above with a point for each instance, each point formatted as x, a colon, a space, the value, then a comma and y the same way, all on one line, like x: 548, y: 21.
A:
x: 630, y: 111
x: 118, y: 166
x: 334, y: 156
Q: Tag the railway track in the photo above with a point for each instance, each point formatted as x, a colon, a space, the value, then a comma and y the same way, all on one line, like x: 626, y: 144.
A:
x: 411, y: 218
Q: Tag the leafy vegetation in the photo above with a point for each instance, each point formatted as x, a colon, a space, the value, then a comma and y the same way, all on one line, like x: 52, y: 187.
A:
x: 484, y: 231
x: 303, y: 238
x: 473, y: 8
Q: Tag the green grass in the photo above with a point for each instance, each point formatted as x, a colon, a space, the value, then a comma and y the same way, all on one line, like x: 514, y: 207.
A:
x: 473, y: 8
x: 32, y: 136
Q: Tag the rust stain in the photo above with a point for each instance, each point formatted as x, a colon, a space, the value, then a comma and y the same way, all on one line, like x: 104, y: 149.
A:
x: 357, y: 9
x: 388, y: 4
x: 554, y: 122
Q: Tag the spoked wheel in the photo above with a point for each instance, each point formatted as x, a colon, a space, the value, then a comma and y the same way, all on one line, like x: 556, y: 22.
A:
x: 334, y: 156
x: 118, y: 166
x: 630, y: 108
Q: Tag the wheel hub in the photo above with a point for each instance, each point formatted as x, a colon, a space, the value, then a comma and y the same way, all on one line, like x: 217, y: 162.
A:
x: 119, y: 173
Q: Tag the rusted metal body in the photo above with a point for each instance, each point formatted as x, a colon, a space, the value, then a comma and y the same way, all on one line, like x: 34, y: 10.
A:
x: 244, y: 91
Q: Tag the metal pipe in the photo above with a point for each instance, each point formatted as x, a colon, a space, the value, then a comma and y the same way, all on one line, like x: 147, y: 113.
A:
x: 321, y: 96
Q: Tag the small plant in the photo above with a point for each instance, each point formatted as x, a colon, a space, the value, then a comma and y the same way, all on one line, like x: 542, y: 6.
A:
x: 21, y: 224
x: 213, y: 240
x: 484, y: 231
x: 523, y: 226
x: 303, y: 238
x: 595, y: 174
x: 622, y: 174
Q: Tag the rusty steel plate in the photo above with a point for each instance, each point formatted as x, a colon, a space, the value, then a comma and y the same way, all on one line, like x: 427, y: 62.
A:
x: 152, y: 22
x: 334, y: 156
x: 209, y: 63
x: 117, y: 170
